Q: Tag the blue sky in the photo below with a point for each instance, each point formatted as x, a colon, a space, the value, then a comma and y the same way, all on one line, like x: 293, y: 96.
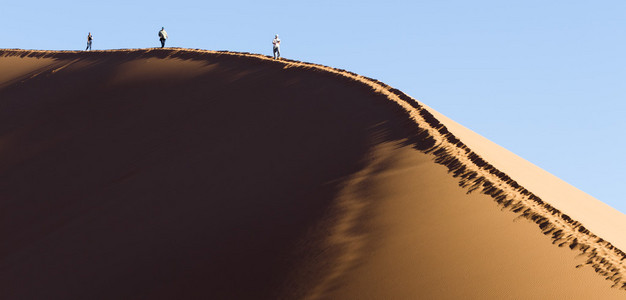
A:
x: 544, y: 79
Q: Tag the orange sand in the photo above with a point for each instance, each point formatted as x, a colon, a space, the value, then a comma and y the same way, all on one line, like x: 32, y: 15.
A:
x: 161, y: 174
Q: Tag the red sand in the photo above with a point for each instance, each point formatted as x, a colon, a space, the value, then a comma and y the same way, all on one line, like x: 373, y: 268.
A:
x: 160, y: 174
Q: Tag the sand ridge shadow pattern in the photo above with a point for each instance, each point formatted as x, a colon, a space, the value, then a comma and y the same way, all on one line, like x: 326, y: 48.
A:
x: 429, y: 136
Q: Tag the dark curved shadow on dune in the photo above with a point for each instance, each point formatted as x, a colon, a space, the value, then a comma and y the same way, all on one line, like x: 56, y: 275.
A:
x: 204, y: 183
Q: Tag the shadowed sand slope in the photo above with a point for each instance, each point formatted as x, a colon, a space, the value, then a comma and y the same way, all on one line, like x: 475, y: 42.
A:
x: 189, y: 174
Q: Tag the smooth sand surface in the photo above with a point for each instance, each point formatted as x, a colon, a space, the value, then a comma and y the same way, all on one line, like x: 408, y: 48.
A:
x: 600, y: 218
x: 190, y: 174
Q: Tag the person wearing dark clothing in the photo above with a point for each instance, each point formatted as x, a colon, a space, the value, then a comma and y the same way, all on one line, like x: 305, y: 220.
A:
x: 89, y: 41
x: 162, y: 36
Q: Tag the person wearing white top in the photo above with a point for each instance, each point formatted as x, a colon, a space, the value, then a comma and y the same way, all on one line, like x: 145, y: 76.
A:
x: 162, y: 36
x: 276, y: 43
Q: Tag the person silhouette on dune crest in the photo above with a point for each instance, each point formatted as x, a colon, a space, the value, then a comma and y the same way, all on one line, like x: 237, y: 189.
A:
x: 89, y: 40
x: 276, y: 43
x: 162, y: 36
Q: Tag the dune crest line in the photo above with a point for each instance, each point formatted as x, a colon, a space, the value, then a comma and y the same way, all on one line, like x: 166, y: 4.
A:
x: 430, y: 136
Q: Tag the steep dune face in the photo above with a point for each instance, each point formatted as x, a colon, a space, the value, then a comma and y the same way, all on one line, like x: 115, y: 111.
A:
x: 163, y: 174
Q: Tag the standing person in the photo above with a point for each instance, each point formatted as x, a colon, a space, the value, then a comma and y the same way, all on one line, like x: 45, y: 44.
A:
x: 89, y: 40
x: 276, y: 43
x: 162, y: 36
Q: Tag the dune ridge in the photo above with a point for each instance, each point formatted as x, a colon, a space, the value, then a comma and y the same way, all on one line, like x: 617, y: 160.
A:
x: 429, y: 136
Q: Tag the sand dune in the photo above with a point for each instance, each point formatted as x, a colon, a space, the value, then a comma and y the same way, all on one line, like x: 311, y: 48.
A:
x: 191, y: 174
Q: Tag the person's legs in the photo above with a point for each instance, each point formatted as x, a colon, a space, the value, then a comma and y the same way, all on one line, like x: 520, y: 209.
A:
x: 278, y: 52
x: 162, y: 43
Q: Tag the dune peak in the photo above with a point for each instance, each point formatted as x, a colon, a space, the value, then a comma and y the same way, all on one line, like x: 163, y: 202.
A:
x: 160, y: 173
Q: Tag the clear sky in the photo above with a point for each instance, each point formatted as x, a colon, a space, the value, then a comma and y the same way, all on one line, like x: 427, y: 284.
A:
x: 544, y: 79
